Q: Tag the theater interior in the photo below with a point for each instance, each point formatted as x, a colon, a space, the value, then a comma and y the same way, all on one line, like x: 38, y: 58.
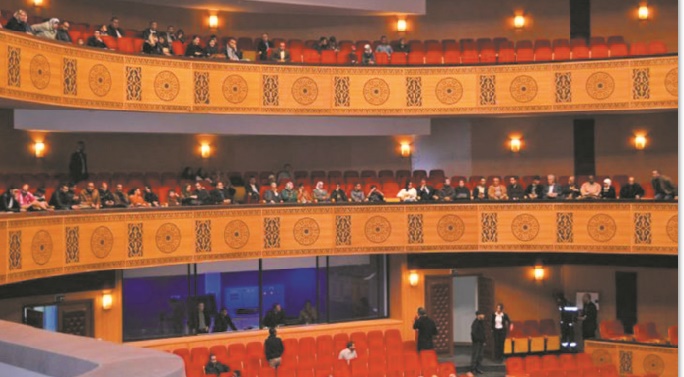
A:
x: 490, y: 89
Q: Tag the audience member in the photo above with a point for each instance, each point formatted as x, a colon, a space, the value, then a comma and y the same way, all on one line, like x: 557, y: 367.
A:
x: 215, y: 367
x: 384, y: 46
x: 273, y: 348
x: 173, y: 199
x: 375, y: 195
x: 501, y: 323
x: 447, y: 192
x: 272, y: 196
x: 367, y: 57
x: 199, y: 320
x: 552, y: 190
x: 480, y: 191
x: 180, y: 36
x: 478, y: 338
x: 63, y: 33
x: 426, y: 193
x: 80, y: 42
x: 274, y: 317
x: 136, y: 198
x: 356, y: 195
x: 252, y: 194
x: 9, y: 202
x: 280, y: 54
x: 402, y: 46
x: 103, y: 30
x: 352, y: 56
x: 203, y: 196
x: 47, y: 29
x: 264, y: 47
x: 150, y: 197
x: 61, y: 199
x: 631, y: 190
x: 332, y: 42
x: 308, y: 314
x: 515, y: 191
x: 113, y: 30
x: 78, y: 164
x: 534, y: 190
x: 152, y: 46
x: 194, y: 50
x: 27, y: 201
x: 164, y: 45
x: 90, y: 197
x: 320, y: 194
x: 212, y: 50
x: 590, y: 189
x: 232, y: 51
x: 188, y: 196
x: 96, y: 40
x: 150, y: 30
x: 121, y: 200
x: 75, y: 197
x: 588, y: 317
x: 322, y: 45
x: 222, y: 194
x: 289, y: 195
x: 608, y: 191
x: 348, y: 353
x: 427, y: 330
x: 497, y: 191
x: 338, y: 195
x: 223, y: 321
x: 106, y: 196
x: 40, y: 196
x: 571, y: 190
x: 408, y: 193
x: 18, y: 22
x: 303, y: 195
x: 662, y: 186
x: 286, y: 173
x: 462, y: 192
x: 170, y: 34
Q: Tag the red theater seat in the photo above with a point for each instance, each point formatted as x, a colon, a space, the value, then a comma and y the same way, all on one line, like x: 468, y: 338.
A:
x: 328, y: 57
x: 398, y: 58
x: 618, y: 50
x: 638, y: 48
x: 561, y: 49
x: 451, y: 57
x: 657, y: 48
x: 415, y: 58
x: 487, y: 52
x: 579, y: 49
x: 524, y: 51
x: 543, y: 50
x: 381, y: 58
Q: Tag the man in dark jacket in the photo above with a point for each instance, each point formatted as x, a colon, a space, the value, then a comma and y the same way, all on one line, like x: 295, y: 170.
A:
x: 217, y: 368
x: 273, y: 348
x: 663, y: 187
x: 9, y: 202
x: 19, y: 22
x: 478, y: 337
x: 223, y: 321
x: 63, y: 33
x: 426, y: 330
x: 631, y: 190
x: 274, y: 317
x: 61, y: 199
x: 589, y: 313
x: 78, y: 164
x: 199, y: 320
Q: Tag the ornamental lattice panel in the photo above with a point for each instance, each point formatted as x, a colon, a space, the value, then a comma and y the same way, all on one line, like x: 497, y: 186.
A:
x: 438, y: 297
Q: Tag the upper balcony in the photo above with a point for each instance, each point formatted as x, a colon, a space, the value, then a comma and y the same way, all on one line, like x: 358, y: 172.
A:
x: 43, y: 74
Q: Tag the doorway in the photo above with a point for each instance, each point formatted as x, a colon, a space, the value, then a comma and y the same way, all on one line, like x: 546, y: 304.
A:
x: 74, y: 318
x: 470, y: 294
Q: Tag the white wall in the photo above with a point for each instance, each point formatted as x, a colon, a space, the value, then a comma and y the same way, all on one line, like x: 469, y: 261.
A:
x: 465, y: 305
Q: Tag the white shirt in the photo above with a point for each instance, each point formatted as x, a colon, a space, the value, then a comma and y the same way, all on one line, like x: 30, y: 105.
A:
x: 409, y: 195
x: 498, y: 320
x: 347, y: 354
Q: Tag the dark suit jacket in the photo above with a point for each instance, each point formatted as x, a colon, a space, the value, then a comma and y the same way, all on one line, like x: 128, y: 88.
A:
x: 273, y: 347
x: 338, y: 195
x: 111, y: 31
x: 93, y: 42
x: 537, y: 190
x: 222, y: 323
x: 273, y: 319
x: 477, y: 331
x: 77, y: 167
x: 193, y: 321
x: 194, y: 50
x: 5, y: 205
x: 275, y: 56
x: 556, y: 188
x: 16, y: 25
x: 146, y: 33
x: 262, y: 49
x: 476, y: 193
x: 630, y: 192
x: 216, y: 369
x: 608, y: 194
x: 426, y: 193
x: 426, y: 331
x: 63, y: 36
x: 60, y: 200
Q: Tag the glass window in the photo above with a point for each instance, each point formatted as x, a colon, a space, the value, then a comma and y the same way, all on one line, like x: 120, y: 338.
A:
x: 357, y: 287
x: 291, y: 284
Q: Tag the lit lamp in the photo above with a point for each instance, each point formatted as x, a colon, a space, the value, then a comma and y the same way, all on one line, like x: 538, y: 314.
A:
x: 213, y: 22
x: 37, y: 3
x: 205, y: 150
x: 643, y: 12
x: 401, y: 25
x: 519, y: 21
x: 539, y: 272
x: 107, y: 300
x: 640, y: 142
x: 405, y: 149
x: 39, y: 149
x: 516, y: 144
x: 413, y: 278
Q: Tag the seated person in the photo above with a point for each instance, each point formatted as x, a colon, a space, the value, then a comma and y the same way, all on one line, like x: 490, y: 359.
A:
x: 63, y: 33
x: 232, y: 52
x: 408, y: 193
x: 402, y: 46
x: 274, y: 317
x: 212, y: 50
x: 480, y: 191
x: 552, y: 190
x: 90, y: 197
x: 215, y: 367
x: 462, y: 192
x: 320, y: 194
x: 571, y: 190
x: 367, y: 58
x: 590, y: 189
x: 47, y: 29
x: 322, y: 45
x: 375, y: 195
x: 289, y: 194
x: 447, y: 193
x: 61, y: 199
x: 222, y: 194
x: 203, y: 196
x: 188, y: 196
x: 356, y: 195
x: 165, y: 46
x: 106, y: 196
x: 384, y: 46
x: 515, y: 191
x: 425, y: 192
x: 608, y: 191
x: 338, y: 195
x: 18, y: 22
x: 150, y: 197
x: 631, y: 190
x: 497, y: 191
x: 121, y: 200
x: 8, y: 202
x: 40, y: 194
x: 136, y: 198
x: 534, y: 190
x: 252, y: 191
x: 174, y: 200
x: 272, y: 196
x: 27, y: 201
x: 286, y: 173
x: 194, y: 50
x: 280, y: 54
x: 152, y: 46
x: 308, y: 314
x: 348, y: 354
x: 303, y: 195
x: 96, y: 41
x: 75, y: 198
x: 352, y: 56
x: 663, y: 187
x: 223, y: 321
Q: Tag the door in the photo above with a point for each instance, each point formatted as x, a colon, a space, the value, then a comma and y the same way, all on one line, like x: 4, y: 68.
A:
x: 33, y: 317
x: 486, y: 304
x: 626, y: 299
x: 76, y: 318
x: 439, y: 305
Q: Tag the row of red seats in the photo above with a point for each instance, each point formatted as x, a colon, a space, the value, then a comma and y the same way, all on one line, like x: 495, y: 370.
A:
x: 564, y: 365
x: 532, y: 336
x: 643, y: 332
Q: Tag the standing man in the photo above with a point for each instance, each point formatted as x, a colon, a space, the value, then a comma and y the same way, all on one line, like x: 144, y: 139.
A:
x: 589, y: 313
x: 426, y: 330
x: 274, y: 317
x: 223, y: 321
x: 478, y: 337
x: 78, y: 164
x: 273, y: 348
x: 199, y: 320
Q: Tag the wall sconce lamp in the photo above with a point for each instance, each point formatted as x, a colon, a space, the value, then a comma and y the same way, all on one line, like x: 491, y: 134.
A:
x: 413, y: 278
x: 643, y: 12
x: 37, y: 3
x: 107, y: 300
x: 213, y: 22
x: 39, y: 149
x: 519, y: 22
x: 640, y: 142
x: 405, y: 149
x: 401, y: 25
x: 539, y: 272
x: 205, y: 150
x: 516, y: 144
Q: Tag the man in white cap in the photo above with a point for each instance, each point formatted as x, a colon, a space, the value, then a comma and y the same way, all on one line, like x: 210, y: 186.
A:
x: 367, y: 58
x: 47, y: 29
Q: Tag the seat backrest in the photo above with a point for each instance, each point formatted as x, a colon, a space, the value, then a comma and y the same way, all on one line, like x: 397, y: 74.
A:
x: 514, y: 365
x: 673, y: 335
x: 550, y: 362
x: 532, y: 363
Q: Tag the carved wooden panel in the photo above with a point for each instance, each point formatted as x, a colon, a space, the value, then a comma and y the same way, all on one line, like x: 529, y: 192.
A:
x: 439, y: 305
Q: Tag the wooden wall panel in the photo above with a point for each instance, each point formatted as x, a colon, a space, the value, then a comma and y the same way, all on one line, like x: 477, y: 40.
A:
x: 54, y: 74
x: 635, y: 359
x: 39, y: 245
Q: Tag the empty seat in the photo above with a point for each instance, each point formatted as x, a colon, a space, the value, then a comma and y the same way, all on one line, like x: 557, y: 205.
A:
x: 617, y: 50
x: 533, y: 363
x: 673, y: 335
x: 548, y: 329
x: 398, y: 58
x: 328, y: 57
x: 561, y: 49
x: 524, y: 51
x: 638, y: 48
x: 506, y: 52
x: 415, y: 58
x: 450, y: 57
x: 515, y: 366
x: 579, y: 49
x: 657, y: 48
x: 550, y: 362
x: 381, y: 58
x: 537, y: 340
x: 543, y: 50
x: 324, y: 346
x: 487, y: 52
